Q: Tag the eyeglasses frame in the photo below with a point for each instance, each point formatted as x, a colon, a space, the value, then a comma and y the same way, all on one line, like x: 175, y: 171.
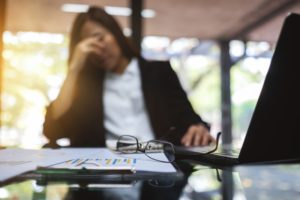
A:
x: 142, y: 149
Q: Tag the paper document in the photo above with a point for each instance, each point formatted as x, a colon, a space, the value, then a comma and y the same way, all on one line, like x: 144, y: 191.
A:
x: 102, y: 158
x: 17, y: 161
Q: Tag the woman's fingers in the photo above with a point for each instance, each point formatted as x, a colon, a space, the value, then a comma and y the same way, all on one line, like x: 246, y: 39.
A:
x: 197, y: 135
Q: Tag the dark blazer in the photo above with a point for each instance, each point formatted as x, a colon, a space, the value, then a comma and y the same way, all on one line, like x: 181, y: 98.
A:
x: 165, y: 100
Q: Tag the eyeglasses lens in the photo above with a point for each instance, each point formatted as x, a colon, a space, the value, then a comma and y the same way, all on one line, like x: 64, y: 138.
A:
x: 154, y: 147
x: 127, y: 144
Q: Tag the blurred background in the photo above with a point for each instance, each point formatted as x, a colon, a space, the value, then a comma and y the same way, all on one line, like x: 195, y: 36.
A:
x: 221, y: 51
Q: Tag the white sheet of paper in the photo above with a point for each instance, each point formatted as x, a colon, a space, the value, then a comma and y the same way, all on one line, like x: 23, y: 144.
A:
x: 17, y: 161
x: 105, y: 158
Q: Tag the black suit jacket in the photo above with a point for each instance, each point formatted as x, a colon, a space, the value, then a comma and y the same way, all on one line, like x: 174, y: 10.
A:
x: 165, y: 100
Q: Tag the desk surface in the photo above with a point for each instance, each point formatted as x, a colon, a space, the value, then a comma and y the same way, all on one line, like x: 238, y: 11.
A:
x: 200, y: 182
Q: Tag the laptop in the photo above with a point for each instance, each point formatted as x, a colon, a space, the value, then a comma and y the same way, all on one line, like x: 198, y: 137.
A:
x: 273, y: 134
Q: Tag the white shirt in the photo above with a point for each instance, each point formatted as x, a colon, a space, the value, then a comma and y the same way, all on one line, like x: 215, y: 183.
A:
x: 124, y: 106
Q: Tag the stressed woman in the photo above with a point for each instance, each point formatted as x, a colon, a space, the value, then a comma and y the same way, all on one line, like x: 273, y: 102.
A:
x: 110, y: 90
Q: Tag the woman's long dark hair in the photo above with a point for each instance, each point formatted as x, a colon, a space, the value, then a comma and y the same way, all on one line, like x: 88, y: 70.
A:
x: 98, y: 15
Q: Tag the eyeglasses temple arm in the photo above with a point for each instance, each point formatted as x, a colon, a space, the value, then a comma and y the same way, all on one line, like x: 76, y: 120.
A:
x: 217, y: 144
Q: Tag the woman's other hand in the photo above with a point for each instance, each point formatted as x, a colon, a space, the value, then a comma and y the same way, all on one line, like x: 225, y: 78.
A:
x: 197, y: 135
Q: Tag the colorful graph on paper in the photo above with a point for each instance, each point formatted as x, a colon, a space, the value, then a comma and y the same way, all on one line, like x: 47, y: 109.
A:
x: 102, y: 158
x: 98, y: 163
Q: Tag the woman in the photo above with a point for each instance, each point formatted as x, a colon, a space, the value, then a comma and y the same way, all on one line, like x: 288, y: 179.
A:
x: 110, y: 90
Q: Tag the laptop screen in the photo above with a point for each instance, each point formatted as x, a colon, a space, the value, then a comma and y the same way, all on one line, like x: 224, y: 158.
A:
x: 274, y: 130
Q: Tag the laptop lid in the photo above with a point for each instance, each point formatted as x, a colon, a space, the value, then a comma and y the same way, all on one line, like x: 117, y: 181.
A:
x: 274, y: 130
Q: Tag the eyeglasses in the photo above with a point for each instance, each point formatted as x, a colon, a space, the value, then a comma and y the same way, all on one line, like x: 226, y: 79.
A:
x: 152, y: 148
